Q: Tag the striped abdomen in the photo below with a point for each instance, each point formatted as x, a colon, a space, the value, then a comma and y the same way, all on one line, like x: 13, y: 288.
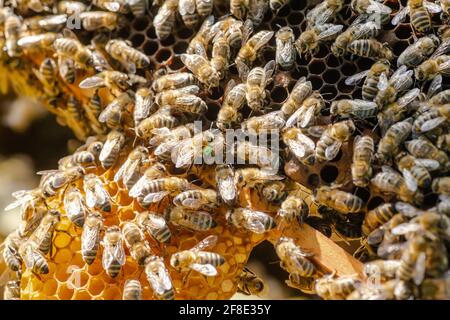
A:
x: 304, y: 267
x: 324, y: 142
x: 420, y: 19
x: 377, y: 217
x: 210, y: 258
x: 369, y: 88
x: 160, y: 234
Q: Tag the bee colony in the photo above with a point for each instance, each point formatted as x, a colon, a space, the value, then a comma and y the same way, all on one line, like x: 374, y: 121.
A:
x: 356, y: 90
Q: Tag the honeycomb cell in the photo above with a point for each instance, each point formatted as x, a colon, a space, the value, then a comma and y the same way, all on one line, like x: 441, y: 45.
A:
x: 82, y: 295
x: 62, y: 240
x: 50, y: 287
x: 329, y: 173
x: 374, y: 202
x: 363, y: 193
x: 403, y: 31
x: 140, y: 23
x: 63, y: 256
x: 316, y: 67
x: 137, y: 40
x: 180, y: 47
x: 96, y: 286
x: 163, y: 55
x: 150, y: 47
x: 170, y: 40
x: 185, y: 33
x: 95, y: 268
x: 279, y: 94
x: 313, y: 180
x: 112, y: 293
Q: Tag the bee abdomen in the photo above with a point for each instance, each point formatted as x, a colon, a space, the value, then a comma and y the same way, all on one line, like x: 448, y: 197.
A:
x: 89, y: 255
x: 421, y: 20
x: 369, y: 89
x: 211, y: 258
x: 161, y: 235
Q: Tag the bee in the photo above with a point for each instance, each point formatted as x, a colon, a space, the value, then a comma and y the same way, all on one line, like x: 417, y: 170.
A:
x: 276, y: 5
x: 164, y: 20
x: 377, y: 217
x: 441, y: 186
x: 309, y: 41
x: 329, y: 144
x: 440, y: 98
x: 417, y: 52
x: 10, y: 251
x: 12, y: 290
x: 390, y: 181
x: 159, y: 278
x: 302, y: 90
x: 433, y: 67
x: 66, y: 69
x: 331, y: 288
x: 238, y: 8
x: 131, y: 58
x: 204, y: 7
x: 11, y: 33
x: 47, y: 76
x: 133, y: 167
x: 137, y: 7
x: 301, y: 146
x: 370, y: 48
x: 250, y: 284
x: 293, y: 208
x: 306, y: 113
x: 96, y: 195
x: 370, y: 85
x: 324, y: 12
x: 43, y: 235
x: 155, y: 171
x: 363, y: 154
x: 116, y: 81
x: 220, y: 56
x: 338, y: 200
x: 166, y: 140
x: 417, y: 169
x: 265, y: 123
x: 443, y: 142
x: 111, y: 148
x: 423, y: 149
x: 53, y: 180
x: 385, y: 268
x: 69, y: 47
x: 184, y: 99
x: 202, y: 69
x: 413, y: 261
x: 173, y: 81
x: 256, y: 81
x: 234, y: 100
x: 196, y: 199
x: 358, y: 108
x: 274, y: 191
x: 250, y: 220
x: 155, y: 190
x: 193, y: 220
x: 200, y: 42
x: 225, y: 184
x: 112, y: 6
x: 33, y: 258
x: 372, y: 8
x: 74, y: 206
x: 250, y: 177
x: 293, y: 258
x: 71, y: 7
x: 356, y: 31
x: 197, y: 259
x: 230, y: 29
x: 135, y: 242
x: 37, y: 41
x: 132, y: 290
x: 93, y: 109
x: 160, y: 119
x: 90, y: 237
x: 260, y: 155
x: 393, y: 138
x: 188, y: 13
x: 304, y: 284
x: 94, y: 20
x: 144, y: 105
x: 113, y: 257
x: 420, y: 15
x: 155, y: 225
x: 248, y: 52
x: 256, y: 11
x: 285, y: 50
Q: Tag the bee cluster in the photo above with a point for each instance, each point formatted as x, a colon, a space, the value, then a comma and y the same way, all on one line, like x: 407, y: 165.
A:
x: 130, y: 214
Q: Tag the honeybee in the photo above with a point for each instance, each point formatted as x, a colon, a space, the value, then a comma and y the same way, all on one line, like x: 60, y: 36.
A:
x: 202, y: 69
x: 164, y: 20
x: 250, y: 220
x: 309, y: 41
x: 418, y: 51
x: 43, y: 235
x: 250, y: 284
x: 33, y: 258
x: 159, y: 278
x: 256, y: 11
x: 238, y: 8
x: 389, y: 181
x: 184, y: 99
x: 220, y: 56
x: 132, y: 168
x: 363, y: 154
x: 443, y: 142
x: 305, y: 115
x: 194, y: 220
x: 230, y: 29
x: 129, y: 57
x: 302, y: 89
x: 301, y: 146
x: 96, y: 195
x: 196, y: 199
x: 423, y: 149
x: 155, y: 190
x: 188, y: 13
x: 358, y: 108
x: 160, y: 119
x: 416, y: 169
x: 285, y: 50
x: 433, y: 67
x: 135, y: 242
x: 70, y: 47
x: 144, y: 105
x: 173, y: 81
x: 441, y: 186
x: 293, y: 258
x: 260, y: 155
x: 324, y: 12
x: 225, y: 184
x: 47, y: 76
x: 393, y: 138
x: 112, y: 6
x: 256, y: 81
x: 53, y: 180
x: 90, y: 237
x: 265, y: 123
x: 197, y: 259
x: 74, y: 206
x: 234, y: 100
x: 166, y: 139
x: 356, y: 31
x: 113, y: 257
x: 250, y: 177
x: 12, y: 290
x: 155, y: 225
x: 199, y: 43
x: 370, y: 86
x: 370, y: 48
x: 413, y: 261
x: 71, y: 7
x: 11, y: 32
x: 304, y: 284
x: 132, y: 290
x: 248, y: 52
x: 93, y: 109
x: 440, y: 98
x: 274, y: 191
x: 116, y: 81
x: 155, y: 171
x: 113, y: 112
x: 385, y: 268
x: 37, y: 41
x: 420, y: 14
x: 111, y: 149
x: 367, y: 8
x: 66, y: 69
x: 204, y: 7
x: 332, y: 139
x: 331, y: 288
x: 293, y: 208
x: 338, y: 200
x: 94, y: 20
x: 10, y: 251
x: 377, y: 217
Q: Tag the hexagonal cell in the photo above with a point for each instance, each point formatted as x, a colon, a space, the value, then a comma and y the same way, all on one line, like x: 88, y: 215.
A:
x: 96, y: 286
x: 150, y: 47
x: 64, y: 292
x: 137, y: 40
x: 329, y: 173
x: 279, y: 94
x: 81, y: 295
x: 50, y: 287
x: 140, y: 23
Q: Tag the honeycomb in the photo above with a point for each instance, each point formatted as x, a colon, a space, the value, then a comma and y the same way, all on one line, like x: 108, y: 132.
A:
x: 327, y: 75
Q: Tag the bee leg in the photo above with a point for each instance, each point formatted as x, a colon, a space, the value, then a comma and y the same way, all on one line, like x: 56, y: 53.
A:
x: 185, y: 278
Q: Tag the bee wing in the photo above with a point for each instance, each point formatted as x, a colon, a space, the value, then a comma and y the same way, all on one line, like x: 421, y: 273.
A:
x: 269, y: 68
x: 247, y: 30
x: 264, y: 37
x: 164, y: 14
x: 112, y: 6
x: 420, y: 268
x: 354, y: 79
x: 383, y: 82
x: 185, y: 154
x: 407, y: 209
x: 209, y: 242
x: 136, y: 190
x: 165, y: 147
x: 400, y: 16
x: 186, y: 7
x: 206, y: 269
x: 332, y: 151
x: 53, y: 20
x: 92, y: 82
x: 192, y: 203
x: 295, y: 117
x: 432, y: 124
x: 119, y: 253
x: 72, y: 206
x: 376, y: 7
x: 29, y: 257
x: 432, y: 7
x: 408, y: 97
x: 109, y: 147
x: 161, y: 281
x: 405, y: 228
x: 227, y: 189
x: 443, y: 48
x: 320, y: 18
x: 402, y: 78
x: 385, y: 251
x: 409, y: 180
x: 243, y: 70
x: 89, y: 238
x: 331, y: 32
x: 316, y: 131
x: 101, y: 194
x: 297, y: 148
x: 155, y: 197
x: 90, y: 198
x: 375, y: 237
x: 47, y: 172
x: 107, y: 257
x: 155, y: 222
x: 120, y: 173
x: 230, y: 85
x: 428, y: 164
x: 435, y: 86
x: 444, y: 68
